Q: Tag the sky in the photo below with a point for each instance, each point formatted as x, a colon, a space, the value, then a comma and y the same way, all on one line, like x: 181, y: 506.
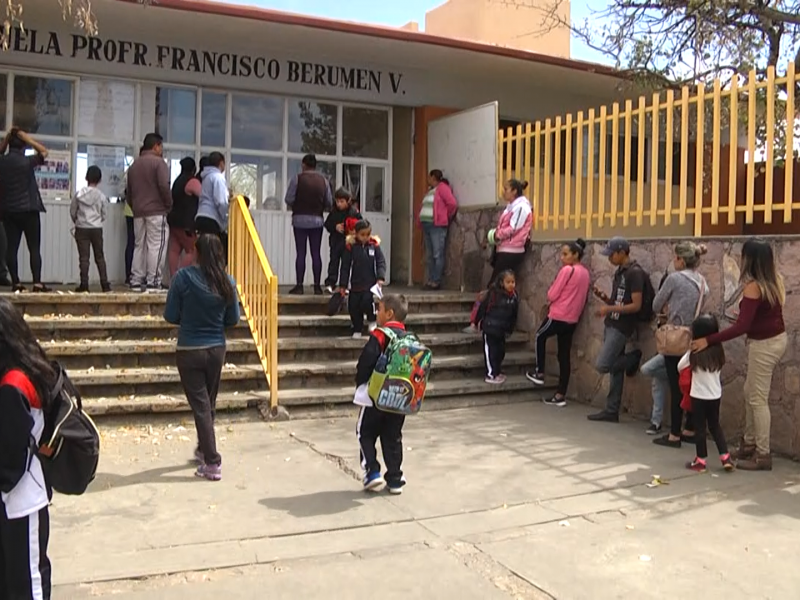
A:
x: 399, y: 12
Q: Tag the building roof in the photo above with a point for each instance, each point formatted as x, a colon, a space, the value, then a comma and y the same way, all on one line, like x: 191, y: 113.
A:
x: 387, y: 33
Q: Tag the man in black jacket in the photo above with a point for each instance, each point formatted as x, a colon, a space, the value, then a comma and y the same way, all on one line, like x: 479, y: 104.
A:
x: 21, y: 203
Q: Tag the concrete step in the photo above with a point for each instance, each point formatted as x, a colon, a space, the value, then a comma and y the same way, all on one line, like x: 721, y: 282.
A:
x: 95, y: 383
x: 471, y: 391
x: 83, y: 354
x: 126, y: 303
x: 140, y: 327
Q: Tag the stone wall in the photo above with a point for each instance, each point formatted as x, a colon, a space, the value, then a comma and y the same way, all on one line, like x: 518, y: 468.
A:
x: 467, y: 269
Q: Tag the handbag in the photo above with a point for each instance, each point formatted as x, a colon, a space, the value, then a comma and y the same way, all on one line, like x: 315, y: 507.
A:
x: 545, y: 310
x: 675, y: 340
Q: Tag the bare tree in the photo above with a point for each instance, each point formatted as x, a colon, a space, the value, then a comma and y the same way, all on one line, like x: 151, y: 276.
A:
x: 79, y: 12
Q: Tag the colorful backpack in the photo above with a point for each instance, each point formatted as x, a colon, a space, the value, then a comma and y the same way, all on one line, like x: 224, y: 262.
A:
x: 398, y: 383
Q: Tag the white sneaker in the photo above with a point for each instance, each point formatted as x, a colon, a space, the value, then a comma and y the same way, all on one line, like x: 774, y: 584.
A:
x: 356, y: 336
x: 372, y: 327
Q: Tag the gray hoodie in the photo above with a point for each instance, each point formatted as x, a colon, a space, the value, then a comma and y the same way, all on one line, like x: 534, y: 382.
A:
x: 88, y: 208
x: 213, y: 202
x: 681, y: 291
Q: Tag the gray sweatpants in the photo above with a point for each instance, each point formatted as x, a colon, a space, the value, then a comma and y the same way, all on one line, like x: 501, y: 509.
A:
x: 151, y: 235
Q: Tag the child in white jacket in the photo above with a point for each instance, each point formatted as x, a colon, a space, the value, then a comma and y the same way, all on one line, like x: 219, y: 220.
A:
x: 88, y: 212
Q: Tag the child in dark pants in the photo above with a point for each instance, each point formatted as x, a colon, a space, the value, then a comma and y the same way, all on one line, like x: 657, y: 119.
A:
x: 88, y: 212
x: 363, y: 266
x: 497, y: 316
x: 342, y: 215
x: 706, y: 391
x: 374, y: 424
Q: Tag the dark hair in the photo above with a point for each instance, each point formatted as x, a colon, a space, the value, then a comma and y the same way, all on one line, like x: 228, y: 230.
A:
x: 342, y: 193
x: 211, y: 260
x: 201, y: 165
x: 713, y: 357
x: 362, y: 224
x: 501, y: 276
x: 758, y: 266
x: 20, y: 350
x: 93, y: 175
x: 141, y: 150
x: 188, y: 165
x: 246, y: 201
x: 215, y: 159
x: 310, y: 161
x: 577, y: 247
x: 151, y: 140
x: 15, y: 142
x: 439, y: 176
x: 398, y: 304
x: 517, y: 186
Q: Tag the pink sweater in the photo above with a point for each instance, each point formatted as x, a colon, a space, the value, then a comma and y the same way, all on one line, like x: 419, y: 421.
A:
x: 513, y: 227
x: 568, y: 294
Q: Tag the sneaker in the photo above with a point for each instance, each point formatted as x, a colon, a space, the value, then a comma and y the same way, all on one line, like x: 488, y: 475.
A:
x: 374, y: 482
x: 82, y: 289
x: 535, y: 377
x: 318, y: 291
x: 743, y: 452
x: 396, y: 487
x: 472, y: 330
x: 153, y: 289
x: 604, y: 416
x: 210, y: 472
x: 666, y: 442
x: 498, y: 380
x: 697, y: 465
x: 555, y: 401
x: 372, y: 327
x: 330, y: 289
x: 136, y: 288
x: 759, y: 462
x: 20, y: 288
x: 106, y: 289
x: 653, y: 429
x: 727, y: 463
x: 356, y: 335
x: 296, y: 290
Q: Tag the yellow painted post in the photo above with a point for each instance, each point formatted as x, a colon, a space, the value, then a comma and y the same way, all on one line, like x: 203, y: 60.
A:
x: 654, y: 161
x: 770, y: 162
x: 590, y: 176
x: 518, y: 161
x: 669, y: 155
x: 548, y: 132
x: 537, y: 175
x: 790, y: 123
x: 640, y: 161
x: 509, y: 174
x: 527, y: 166
x: 272, y: 340
x: 626, y: 171
x: 614, y: 162
x: 700, y: 151
x: 685, y: 141
x: 568, y: 171
x: 578, y: 170
x: 557, y: 173
x: 601, y: 183
x: 733, y: 160
x: 751, y: 146
x: 715, y: 150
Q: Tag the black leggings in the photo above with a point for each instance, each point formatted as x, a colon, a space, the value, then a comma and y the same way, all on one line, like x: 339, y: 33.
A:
x: 505, y: 261
x: 563, y: 331
x: 208, y: 225
x: 676, y: 412
x: 16, y: 225
x: 706, y: 412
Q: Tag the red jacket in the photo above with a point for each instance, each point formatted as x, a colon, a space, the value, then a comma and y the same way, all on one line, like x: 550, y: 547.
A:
x: 685, y: 383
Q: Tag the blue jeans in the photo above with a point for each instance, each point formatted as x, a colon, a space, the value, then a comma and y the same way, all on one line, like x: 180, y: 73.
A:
x: 435, y: 238
x: 614, y: 361
x: 656, y: 368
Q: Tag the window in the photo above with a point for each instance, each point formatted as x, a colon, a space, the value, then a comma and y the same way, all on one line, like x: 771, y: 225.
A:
x: 374, y: 189
x: 257, y: 123
x: 106, y: 109
x: 173, y: 158
x: 3, y: 95
x: 258, y: 178
x: 213, y: 119
x: 113, y: 162
x: 170, y: 112
x: 43, y: 106
x: 312, y: 127
x: 365, y: 132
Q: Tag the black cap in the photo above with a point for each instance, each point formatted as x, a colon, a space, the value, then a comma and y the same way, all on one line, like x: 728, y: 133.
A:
x: 616, y: 244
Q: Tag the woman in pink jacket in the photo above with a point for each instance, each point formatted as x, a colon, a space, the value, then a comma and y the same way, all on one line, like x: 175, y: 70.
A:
x: 566, y: 299
x: 513, y: 232
x: 438, y: 210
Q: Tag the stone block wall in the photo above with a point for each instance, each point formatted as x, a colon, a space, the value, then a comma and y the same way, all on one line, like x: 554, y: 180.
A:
x: 467, y: 269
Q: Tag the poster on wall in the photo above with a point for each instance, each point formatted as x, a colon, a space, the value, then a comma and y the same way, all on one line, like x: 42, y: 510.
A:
x: 111, y: 160
x: 53, y: 177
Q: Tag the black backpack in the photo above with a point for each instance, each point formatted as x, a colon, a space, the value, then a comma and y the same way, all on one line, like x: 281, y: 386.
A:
x: 646, y: 313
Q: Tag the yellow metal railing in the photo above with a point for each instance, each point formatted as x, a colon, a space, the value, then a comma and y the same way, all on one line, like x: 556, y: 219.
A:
x: 258, y: 289
x: 679, y: 162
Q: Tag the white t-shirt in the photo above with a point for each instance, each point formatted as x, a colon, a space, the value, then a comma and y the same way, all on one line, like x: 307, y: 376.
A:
x: 706, y: 385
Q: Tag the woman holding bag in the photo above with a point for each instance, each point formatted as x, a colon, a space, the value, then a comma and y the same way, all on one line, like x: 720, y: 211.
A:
x: 684, y: 292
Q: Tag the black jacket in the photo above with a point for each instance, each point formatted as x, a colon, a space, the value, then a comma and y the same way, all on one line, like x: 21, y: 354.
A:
x: 362, y: 266
x: 338, y: 217
x: 184, y: 206
x: 497, y: 313
x: 372, y: 351
x: 19, y: 191
x: 16, y: 425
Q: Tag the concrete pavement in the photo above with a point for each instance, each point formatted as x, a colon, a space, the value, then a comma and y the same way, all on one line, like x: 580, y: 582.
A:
x: 518, y: 501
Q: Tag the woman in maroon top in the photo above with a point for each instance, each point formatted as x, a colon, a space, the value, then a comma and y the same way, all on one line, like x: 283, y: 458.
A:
x: 761, y: 319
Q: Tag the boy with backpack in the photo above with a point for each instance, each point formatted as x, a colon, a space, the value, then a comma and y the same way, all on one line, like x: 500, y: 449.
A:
x: 391, y: 377
x: 88, y: 212
x: 630, y: 303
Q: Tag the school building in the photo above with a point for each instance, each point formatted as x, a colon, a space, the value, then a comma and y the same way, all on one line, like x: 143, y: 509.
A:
x: 265, y: 88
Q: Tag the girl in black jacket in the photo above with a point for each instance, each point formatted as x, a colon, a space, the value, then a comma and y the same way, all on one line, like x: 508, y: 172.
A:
x: 497, y: 317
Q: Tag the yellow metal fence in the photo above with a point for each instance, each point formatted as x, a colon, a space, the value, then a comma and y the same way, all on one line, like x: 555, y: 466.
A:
x: 679, y: 162
x: 258, y: 289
